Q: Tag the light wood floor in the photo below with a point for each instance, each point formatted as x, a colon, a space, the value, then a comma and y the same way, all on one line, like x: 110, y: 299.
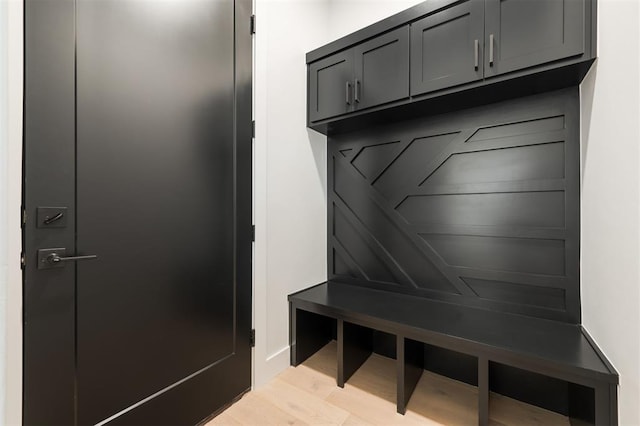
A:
x: 308, y: 395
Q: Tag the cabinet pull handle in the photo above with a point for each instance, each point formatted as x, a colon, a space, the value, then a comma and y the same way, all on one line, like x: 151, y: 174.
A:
x: 348, y: 93
x: 490, y: 50
x: 356, y: 96
x: 476, y: 53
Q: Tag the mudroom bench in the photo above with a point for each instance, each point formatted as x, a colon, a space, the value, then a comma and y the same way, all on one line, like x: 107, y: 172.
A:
x: 552, y: 350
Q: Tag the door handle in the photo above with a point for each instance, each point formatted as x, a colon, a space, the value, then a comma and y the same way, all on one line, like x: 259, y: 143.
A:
x: 55, y: 258
x: 490, y: 50
x: 476, y: 53
x: 356, y: 95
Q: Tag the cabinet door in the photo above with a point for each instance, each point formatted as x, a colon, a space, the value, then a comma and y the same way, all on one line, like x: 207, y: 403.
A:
x: 382, y: 69
x: 446, y: 47
x: 525, y: 33
x: 331, y: 86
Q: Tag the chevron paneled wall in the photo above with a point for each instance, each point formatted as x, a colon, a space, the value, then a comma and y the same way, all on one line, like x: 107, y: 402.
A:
x: 478, y: 207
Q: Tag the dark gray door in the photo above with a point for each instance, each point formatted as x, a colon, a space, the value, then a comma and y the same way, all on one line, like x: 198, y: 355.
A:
x: 382, y: 69
x: 525, y: 33
x: 138, y: 152
x: 331, y: 86
x: 446, y: 47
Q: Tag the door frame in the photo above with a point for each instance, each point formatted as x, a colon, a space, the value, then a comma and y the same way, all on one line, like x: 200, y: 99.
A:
x: 39, y: 29
x: 11, y: 47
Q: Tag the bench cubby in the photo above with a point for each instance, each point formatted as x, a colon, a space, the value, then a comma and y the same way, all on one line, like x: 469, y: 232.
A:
x: 498, y: 349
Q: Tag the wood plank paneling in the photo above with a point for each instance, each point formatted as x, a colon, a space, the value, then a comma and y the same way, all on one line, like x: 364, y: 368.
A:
x: 479, y: 207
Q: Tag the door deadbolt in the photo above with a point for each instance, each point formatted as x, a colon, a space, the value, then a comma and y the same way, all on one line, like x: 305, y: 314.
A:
x: 51, y: 217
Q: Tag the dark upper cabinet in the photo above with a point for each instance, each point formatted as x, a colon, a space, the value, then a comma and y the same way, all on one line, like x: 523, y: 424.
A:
x: 447, y: 54
x: 331, y: 86
x: 382, y: 69
x: 369, y: 74
x: 447, y: 47
x: 525, y: 33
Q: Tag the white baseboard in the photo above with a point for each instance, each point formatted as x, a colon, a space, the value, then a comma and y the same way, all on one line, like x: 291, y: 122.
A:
x: 271, y: 367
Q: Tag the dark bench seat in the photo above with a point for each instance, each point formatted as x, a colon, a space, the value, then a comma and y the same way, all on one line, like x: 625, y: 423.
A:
x: 555, y: 349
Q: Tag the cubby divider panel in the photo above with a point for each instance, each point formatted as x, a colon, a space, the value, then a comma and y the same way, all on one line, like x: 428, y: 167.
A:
x: 355, y: 344
x: 483, y: 391
x: 410, y: 365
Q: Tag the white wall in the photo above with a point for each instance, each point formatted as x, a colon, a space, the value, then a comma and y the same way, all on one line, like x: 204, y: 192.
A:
x: 611, y: 198
x: 10, y: 181
x: 347, y: 16
x: 290, y: 160
x: 3, y: 193
x: 290, y: 174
